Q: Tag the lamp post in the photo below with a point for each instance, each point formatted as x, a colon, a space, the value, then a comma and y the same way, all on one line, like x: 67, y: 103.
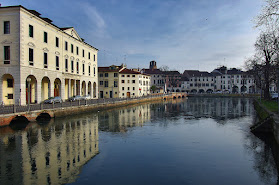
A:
x: 28, y: 92
x: 277, y: 70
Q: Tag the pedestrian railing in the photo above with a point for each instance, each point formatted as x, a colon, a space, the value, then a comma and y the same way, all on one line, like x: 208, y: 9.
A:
x: 8, y: 109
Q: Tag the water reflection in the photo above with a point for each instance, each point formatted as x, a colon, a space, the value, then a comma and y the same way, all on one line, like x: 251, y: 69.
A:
x: 51, y: 153
x: 219, y: 109
x: 119, y: 120
x: 54, y: 152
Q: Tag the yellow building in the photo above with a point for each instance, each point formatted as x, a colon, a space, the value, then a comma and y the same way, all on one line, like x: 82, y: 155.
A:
x: 40, y: 60
x: 120, y: 82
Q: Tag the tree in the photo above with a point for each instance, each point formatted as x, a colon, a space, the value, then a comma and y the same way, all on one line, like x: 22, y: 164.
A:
x: 265, y: 61
x: 153, y: 88
x: 269, y: 17
x: 164, y: 68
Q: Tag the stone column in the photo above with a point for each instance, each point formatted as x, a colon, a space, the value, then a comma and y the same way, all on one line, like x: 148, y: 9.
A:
x: 39, y: 92
x: 63, y: 89
x: 75, y: 92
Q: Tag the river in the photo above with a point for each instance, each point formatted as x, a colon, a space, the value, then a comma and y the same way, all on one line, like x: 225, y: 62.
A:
x: 191, y: 141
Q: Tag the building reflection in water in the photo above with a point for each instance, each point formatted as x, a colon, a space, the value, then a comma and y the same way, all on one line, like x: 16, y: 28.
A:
x: 54, y: 153
x: 219, y: 109
x: 118, y: 120
x: 48, y: 154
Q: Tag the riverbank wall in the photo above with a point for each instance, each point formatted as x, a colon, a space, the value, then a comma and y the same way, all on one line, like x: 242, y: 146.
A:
x: 6, y: 119
x: 268, y: 121
x: 223, y: 95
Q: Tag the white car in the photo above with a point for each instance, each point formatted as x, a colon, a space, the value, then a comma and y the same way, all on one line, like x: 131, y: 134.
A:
x: 274, y: 95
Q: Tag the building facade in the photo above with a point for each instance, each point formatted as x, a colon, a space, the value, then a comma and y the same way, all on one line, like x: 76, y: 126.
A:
x: 221, y: 80
x: 120, y: 82
x: 41, y: 60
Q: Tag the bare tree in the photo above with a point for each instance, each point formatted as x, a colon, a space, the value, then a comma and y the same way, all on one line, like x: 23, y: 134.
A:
x: 269, y: 17
x: 265, y: 60
x: 164, y: 68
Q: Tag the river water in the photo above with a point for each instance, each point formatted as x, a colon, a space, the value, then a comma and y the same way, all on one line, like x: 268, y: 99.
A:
x: 191, y: 141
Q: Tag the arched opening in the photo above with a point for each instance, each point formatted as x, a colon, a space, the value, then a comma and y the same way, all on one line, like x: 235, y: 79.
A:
x: 235, y: 89
x: 194, y: 91
x: 209, y: 91
x: 252, y: 89
x: 57, y: 87
x: 45, y: 88
x: 19, y: 123
x: 83, y: 88
x: 94, y: 89
x: 89, y: 91
x: 177, y: 90
x: 31, y: 89
x: 43, y: 116
x: 243, y: 89
x: 201, y: 91
x: 8, y: 89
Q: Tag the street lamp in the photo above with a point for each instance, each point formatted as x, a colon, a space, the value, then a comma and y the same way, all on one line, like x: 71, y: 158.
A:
x: 28, y: 92
x: 277, y: 70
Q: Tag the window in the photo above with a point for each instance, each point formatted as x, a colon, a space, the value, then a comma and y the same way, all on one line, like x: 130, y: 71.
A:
x: 88, y: 55
x: 106, y: 83
x: 31, y: 31
x: 83, y: 53
x: 6, y: 27
x: 83, y: 69
x: 77, y: 68
x: 66, y: 65
x: 123, y: 81
x: 133, y: 76
x: 66, y: 45
x: 94, y: 71
x: 77, y: 50
x: 128, y: 88
x: 94, y: 58
x: 115, y: 74
x: 101, y: 74
x: 45, y: 60
x: 122, y: 75
x: 133, y: 81
x: 106, y: 74
x: 10, y: 83
x: 128, y: 75
x: 7, y: 55
x: 115, y: 83
x: 122, y: 88
x: 101, y: 82
x: 57, y: 62
x: 31, y: 57
x: 45, y: 37
x: 128, y: 81
x: 10, y: 96
x: 133, y: 88
x: 57, y: 42
x: 72, y: 48
x: 89, y: 70
x: 72, y: 66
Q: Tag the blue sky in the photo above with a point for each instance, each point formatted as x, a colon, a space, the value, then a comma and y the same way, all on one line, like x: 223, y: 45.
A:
x: 182, y: 34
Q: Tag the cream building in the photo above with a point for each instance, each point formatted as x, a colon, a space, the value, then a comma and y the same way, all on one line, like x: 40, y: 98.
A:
x: 41, y: 60
x: 133, y: 84
x: 120, y: 82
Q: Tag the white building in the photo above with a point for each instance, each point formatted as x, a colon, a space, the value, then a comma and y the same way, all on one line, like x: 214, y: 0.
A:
x: 41, y: 60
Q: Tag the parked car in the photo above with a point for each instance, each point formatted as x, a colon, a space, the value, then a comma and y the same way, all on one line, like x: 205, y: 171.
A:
x: 76, y: 98
x: 51, y: 100
x: 87, y: 97
x: 274, y: 96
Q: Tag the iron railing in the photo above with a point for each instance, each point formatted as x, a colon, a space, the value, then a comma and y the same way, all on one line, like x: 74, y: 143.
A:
x: 8, y: 109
